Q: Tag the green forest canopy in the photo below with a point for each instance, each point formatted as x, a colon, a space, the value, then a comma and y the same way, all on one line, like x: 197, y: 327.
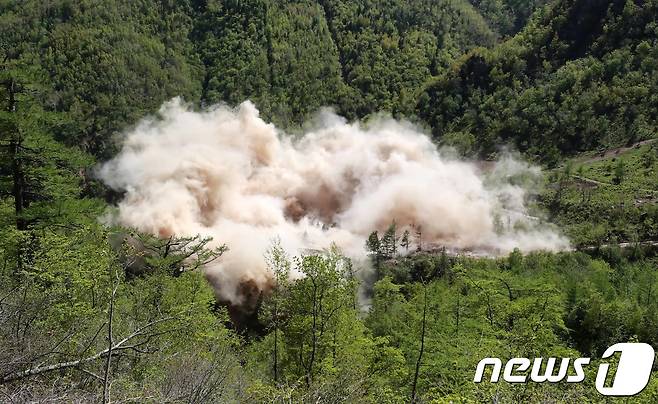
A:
x: 79, y: 321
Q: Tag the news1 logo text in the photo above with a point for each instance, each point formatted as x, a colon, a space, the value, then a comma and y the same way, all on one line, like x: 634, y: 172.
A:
x: 631, y: 376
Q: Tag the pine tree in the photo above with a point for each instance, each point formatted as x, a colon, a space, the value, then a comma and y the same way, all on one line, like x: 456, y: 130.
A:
x: 405, y: 240
x: 389, y: 241
x: 374, y: 246
x: 38, y: 172
x: 419, y: 238
x: 620, y: 172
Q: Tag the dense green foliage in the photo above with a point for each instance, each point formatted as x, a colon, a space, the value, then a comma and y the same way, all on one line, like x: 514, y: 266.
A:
x: 91, y: 313
x: 580, y: 76
x: 106, y: 64
x: 564, y: 84
x: 102, y: 76
x: 507, y: 17
x: 607, y: 199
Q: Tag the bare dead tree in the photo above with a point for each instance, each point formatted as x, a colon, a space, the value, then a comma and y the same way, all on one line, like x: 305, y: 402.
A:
x: 199, y: 378
x: 136, y: 342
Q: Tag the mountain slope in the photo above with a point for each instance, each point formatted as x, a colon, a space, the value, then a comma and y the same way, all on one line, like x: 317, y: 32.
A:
x: 580, y: 76
x: 507, y: 17
x: 107, y: 64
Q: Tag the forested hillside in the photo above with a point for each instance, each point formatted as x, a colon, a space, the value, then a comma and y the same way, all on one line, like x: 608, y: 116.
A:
x: 580, y: 76
x: 507, y: 17
x: 94, y: 312
x: 105, y: 64
x: 562, y: 85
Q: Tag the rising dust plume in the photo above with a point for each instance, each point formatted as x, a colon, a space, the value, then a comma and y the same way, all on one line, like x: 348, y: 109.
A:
x: 228, y: 174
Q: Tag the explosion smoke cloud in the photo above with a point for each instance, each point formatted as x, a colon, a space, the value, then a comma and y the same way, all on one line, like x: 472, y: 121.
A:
x: 228, y: 174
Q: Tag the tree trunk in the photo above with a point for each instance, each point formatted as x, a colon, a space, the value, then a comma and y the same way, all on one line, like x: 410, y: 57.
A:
x: 110, y: 342
x: 276, y: 342
x: 313, y: 335
x: 18, y: 176
x: 18, y: 189
x: 422, y: 346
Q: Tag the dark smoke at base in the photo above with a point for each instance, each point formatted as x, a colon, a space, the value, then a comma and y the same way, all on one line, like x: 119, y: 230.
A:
x: 227, y: 174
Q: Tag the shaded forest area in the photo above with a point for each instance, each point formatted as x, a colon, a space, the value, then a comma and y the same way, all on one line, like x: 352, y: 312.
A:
x: 96, y: 313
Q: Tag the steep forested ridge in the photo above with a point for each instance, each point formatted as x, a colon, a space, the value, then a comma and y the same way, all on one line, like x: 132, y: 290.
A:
x: 560, y: 86
x: 580, y: 76
x: 507, y: 17
x: 92, y: 312
x: 107, y: 64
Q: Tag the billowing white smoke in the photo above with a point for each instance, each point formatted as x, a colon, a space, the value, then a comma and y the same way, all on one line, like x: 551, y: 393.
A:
x: 228, y: 174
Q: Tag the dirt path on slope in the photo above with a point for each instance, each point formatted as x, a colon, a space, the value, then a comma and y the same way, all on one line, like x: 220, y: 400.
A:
x: 614, y: 152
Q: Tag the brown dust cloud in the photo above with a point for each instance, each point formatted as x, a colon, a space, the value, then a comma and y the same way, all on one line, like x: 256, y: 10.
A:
x: 226, y: 173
